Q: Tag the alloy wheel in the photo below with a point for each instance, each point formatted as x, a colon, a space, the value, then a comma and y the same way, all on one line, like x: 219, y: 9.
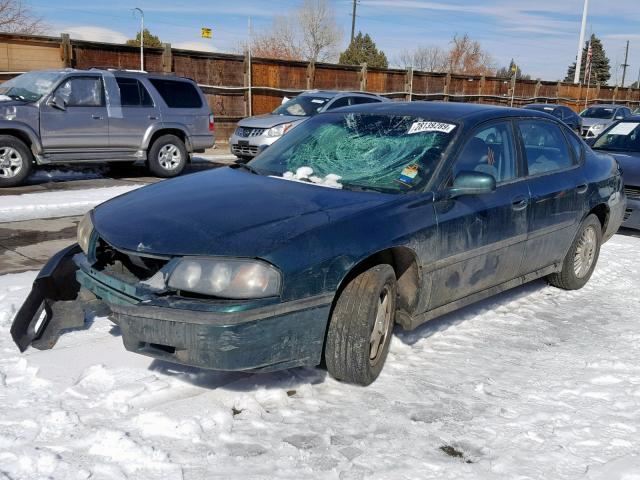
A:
x: 11, y: 162
x: 169, y: 157
x: 585, y: 252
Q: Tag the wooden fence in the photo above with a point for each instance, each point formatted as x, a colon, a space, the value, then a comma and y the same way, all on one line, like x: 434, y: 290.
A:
x: 225, y: 78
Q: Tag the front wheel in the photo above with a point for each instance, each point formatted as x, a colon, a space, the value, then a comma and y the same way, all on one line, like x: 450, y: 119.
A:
x: 167, y: 156
x: 361, y: 326
x: 16, y: 161
x: 581, y: 259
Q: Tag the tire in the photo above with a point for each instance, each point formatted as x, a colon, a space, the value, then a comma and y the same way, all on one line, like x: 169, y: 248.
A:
x: 350, y: 339
x: 581, y: 259
x: 167, y: 156
x: 16, y: 161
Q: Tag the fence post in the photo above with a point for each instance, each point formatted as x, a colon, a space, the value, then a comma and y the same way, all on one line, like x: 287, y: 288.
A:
x: 615, y: 94
x: 597, y: 90
x: 66, y: 51
x: 311, y: 75
x: 167, y: 58
x: 363, y: 77
x: 247, y: 96
x: 447, y: 82
x: 408, y: 84
x: 536, y: 90
x: 558, y: 91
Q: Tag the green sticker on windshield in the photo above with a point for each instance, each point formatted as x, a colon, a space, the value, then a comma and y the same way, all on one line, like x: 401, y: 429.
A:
x: 408, y: 174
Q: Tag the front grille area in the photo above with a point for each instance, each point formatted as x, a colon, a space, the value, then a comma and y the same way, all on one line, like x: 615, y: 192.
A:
x: 632, y: 192
x: 627, y: 214
x: 250, y: 150
x: 127, y: 267
x: 248, y: 132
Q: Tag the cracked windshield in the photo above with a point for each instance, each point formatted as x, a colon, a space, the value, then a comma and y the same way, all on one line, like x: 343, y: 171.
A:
x: 354, y: 151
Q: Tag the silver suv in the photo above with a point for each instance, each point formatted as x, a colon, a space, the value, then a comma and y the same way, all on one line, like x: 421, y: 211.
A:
x: 68, y: 116
x: 254, y: 134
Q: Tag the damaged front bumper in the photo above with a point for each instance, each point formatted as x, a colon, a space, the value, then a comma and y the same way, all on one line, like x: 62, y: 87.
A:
x: 220, y: 335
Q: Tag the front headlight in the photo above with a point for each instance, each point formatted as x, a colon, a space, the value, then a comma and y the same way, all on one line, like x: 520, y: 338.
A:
x: 598, y: 127
x: 85, y: 229
x: 226, y: 278
x: 279, y: 130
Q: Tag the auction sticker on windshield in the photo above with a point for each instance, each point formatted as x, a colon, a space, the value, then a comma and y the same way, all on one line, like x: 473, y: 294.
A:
x: 419, y: 127
x: 624, y: 128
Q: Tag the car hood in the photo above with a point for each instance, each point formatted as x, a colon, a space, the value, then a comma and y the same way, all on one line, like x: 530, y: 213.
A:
x: 630, y: 164
x: 269, y: 120
x: 227, y: 212
x: 589, y: 122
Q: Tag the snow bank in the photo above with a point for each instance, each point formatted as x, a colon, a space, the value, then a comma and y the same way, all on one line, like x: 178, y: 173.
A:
x: 56, y: 204
x: 536, y: 383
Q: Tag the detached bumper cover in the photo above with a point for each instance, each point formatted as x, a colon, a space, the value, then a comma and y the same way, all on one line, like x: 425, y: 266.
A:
x: 221, y: 336
x: 51, y: 306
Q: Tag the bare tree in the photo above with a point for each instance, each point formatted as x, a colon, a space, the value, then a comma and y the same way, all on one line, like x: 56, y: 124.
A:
x: 279, y: 41
x: 424, y: 59
x: 468, y: 57
x: 310, y: 33
x: 319, y: 30
x: 16, y: 17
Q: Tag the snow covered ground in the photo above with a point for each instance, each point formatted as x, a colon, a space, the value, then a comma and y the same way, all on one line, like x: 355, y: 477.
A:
x: 536, y: 383
x: 56, y: 204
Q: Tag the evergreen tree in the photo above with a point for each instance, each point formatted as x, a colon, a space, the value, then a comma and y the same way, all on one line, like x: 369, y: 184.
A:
x: 600, y: 70
x: 507, y: 72
x: 150, y: 40
x: 363, y: 50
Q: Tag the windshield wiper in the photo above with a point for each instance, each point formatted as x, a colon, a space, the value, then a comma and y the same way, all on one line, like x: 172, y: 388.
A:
x: 248, y: 167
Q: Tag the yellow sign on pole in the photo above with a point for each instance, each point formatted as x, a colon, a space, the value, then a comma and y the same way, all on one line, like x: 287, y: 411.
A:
x: 206, y: 32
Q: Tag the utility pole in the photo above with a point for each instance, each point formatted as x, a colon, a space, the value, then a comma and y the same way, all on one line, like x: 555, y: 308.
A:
x: 141, y: 36
x: 250, y: 96
x: 353, y: 20
x: 625, y: 64
x: 576, y: 76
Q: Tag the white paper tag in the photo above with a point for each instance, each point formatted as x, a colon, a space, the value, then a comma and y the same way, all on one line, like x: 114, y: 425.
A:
x: 317, y: 100
x: 419, y: 127
x: 623, y: 128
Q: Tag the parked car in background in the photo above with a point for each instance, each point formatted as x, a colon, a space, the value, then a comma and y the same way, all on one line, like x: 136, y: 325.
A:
x: 599, y: 116
x: 356, y: 220
x: 79, y: 116
x: 622, y: 141
x: 568, y: 116
x: 254, y: 134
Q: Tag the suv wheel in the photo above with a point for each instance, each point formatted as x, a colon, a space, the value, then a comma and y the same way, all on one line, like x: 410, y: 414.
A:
x: 16, y: 161
x: 167, y: 156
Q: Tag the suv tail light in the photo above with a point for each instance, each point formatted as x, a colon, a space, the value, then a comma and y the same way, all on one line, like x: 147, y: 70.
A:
x: 212, y: 125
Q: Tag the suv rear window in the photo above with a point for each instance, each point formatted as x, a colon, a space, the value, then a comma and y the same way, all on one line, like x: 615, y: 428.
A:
x: 133, y: 93
x: 177, y: 94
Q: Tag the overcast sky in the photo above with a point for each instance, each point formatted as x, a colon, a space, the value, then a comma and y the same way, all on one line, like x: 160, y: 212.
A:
x: 542, y: 35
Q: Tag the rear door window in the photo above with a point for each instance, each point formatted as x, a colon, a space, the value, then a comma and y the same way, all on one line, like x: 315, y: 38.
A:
x: 133, y: 93
x: 177, y: 94
x: 545, y: 147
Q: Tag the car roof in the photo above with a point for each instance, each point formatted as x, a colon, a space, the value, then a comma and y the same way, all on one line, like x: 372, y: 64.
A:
x: 607, y: 105
x: 335, y: 93
x: 115, y: 71
x: 543, y: 105
x: 443, y: 111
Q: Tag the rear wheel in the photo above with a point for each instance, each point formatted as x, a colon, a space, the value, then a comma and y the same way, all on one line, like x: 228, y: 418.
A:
x: 581, y: 259
x: 167, y: 156
x: 361, y: 326
x: 16, y: 161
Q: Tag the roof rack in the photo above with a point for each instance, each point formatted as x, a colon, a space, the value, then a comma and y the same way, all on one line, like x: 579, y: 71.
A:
x: 113, y: 69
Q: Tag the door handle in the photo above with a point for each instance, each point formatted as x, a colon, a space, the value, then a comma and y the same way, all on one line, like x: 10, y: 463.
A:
x: 153, y: 117
x: 96, y: 117
x: 519, y: 204
x: 582, y: 188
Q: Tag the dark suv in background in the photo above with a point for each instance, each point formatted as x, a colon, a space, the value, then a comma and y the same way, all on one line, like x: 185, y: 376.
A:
x: 69, y: 116
x: 568, y: 116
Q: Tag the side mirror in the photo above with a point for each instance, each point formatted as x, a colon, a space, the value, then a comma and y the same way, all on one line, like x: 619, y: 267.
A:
x: 57, y: 102
x: 472, y: 183
x: 620, y: 117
